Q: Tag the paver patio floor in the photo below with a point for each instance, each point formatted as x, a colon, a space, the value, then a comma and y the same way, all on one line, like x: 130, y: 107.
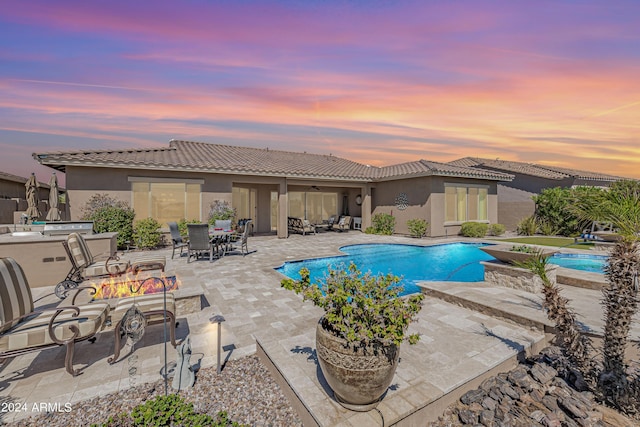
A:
x: 457, y: 344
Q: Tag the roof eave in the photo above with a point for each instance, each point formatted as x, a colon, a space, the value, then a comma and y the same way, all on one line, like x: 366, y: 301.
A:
x: 501, y: 178
x: 62, y: 167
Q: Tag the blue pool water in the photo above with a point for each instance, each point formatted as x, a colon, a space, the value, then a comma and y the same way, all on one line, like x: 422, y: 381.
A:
x: 592, y: 263
x: 458, y: 262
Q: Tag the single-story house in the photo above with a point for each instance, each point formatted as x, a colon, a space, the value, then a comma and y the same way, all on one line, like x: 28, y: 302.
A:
x: 515, y: 196
x: 184, y: 179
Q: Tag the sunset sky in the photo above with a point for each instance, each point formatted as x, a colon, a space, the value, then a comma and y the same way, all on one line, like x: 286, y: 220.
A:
x: 379, y: 82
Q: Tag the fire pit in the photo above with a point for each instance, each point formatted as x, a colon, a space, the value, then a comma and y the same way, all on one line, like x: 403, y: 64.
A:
x: 116, y: 287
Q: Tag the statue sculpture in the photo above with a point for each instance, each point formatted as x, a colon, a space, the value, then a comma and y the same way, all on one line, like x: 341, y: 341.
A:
x: 184, y: 375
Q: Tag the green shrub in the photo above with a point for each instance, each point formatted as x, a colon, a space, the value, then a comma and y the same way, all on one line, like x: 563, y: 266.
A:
x: 98, y: 202
x: 524, y: 249
x: 555, y: 211
x: 182, y: 226
x: 110, y: 215
x: 169, y: 410
x: 369, y: 230
x: 527, y: 226
x: 362, y: 308
x: 547, y: 228
x: 417, y: 227
x: 146, y: 234
x: 383, y: 223
x: 496, y: 229
x: 474, y: 229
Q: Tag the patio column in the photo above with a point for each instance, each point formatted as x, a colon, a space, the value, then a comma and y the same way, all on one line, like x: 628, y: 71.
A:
x: 366, y: 206
x: 283, y: 209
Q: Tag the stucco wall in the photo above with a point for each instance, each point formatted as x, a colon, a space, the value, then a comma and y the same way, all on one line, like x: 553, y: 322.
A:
x: 84, y: 182
x: 426, y: 201
x: 439, y: 226
x: 7, y: 208
x: 417, y: 191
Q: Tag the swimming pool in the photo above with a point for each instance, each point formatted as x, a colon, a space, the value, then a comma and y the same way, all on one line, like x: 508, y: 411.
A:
x: 459, y: 262
x: 591, y: 263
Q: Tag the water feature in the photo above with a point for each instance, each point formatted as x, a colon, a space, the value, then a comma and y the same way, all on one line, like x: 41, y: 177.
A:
x: 582, y: 262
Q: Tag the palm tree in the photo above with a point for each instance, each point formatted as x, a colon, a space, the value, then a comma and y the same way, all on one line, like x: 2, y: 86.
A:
x: 621, y: 207
x: 576, y: 346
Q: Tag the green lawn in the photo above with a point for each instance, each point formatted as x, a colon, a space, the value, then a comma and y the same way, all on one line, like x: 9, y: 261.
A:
x: 549, y: 241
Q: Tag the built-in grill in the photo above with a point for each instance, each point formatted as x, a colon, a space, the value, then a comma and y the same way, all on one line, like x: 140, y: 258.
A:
x: 67, y: 227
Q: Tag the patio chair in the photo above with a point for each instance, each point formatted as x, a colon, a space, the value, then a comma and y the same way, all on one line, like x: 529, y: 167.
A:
x: 85, y: 267
x: 24, y: 329
x: 177, y: 241
x: 344, y: 223
x: 225, y: 224
x: 199, y: 241
x: 244, y: 237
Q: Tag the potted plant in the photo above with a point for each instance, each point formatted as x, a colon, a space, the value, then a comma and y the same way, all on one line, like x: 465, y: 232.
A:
x: 516, y: 253
x: 358, y: 338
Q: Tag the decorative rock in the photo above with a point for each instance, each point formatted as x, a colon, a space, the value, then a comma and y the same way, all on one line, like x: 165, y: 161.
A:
x: 487, y: 418
x: 551, y: 420
x: 468, y: 417
x: 489, y: 383
x: 543, y: 373
x: 245, y: 389
x: 489, y: 403
x: 537, y: 395
x: 529, y: 396
x: 572, y: 406
x: 520, y: 378
x: 537, y: 415
x: 509, y: 391
x: 551, y: 403
x: 473, y: 396
x: 495, y: 394
x: 501, y: 411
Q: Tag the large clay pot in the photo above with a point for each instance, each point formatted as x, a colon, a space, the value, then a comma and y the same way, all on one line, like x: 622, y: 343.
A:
x: 359, y: 379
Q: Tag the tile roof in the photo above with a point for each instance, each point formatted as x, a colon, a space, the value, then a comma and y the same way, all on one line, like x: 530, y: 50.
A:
x: 429, y: 168
x: 217, y: 158
x: 4, y: 176
x: 204, y: 157
x: 537, y: 170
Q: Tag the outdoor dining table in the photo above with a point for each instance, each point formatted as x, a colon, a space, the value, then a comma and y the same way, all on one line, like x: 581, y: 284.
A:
x: 222, y: 239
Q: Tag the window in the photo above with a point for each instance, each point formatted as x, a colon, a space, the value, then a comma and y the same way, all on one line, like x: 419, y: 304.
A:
x: 314, y: 206
x: 165, y: 200
x: 465, y: 203
x: 244, y: 202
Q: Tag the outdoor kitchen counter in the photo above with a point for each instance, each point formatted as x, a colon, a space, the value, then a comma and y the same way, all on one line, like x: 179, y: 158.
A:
x: 43, y: 258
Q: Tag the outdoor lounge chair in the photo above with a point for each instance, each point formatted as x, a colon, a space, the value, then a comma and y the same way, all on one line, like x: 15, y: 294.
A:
x: 23, y: 329
x: 177, y: 242
x: 344, y: 223
x: 199, y: 241
x: 600, y: 233
x: 85, y: 267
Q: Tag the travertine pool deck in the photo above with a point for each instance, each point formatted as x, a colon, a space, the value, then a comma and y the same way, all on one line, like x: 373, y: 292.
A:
x: 458, y: 344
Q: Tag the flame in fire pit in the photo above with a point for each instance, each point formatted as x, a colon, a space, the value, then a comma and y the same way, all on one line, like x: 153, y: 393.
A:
x: 119, y: 287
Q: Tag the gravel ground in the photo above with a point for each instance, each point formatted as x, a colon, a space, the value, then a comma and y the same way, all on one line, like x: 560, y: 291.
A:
x: 245, y: 389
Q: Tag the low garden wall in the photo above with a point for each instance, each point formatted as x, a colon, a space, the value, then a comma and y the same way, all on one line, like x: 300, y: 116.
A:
x: 509, y: 276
